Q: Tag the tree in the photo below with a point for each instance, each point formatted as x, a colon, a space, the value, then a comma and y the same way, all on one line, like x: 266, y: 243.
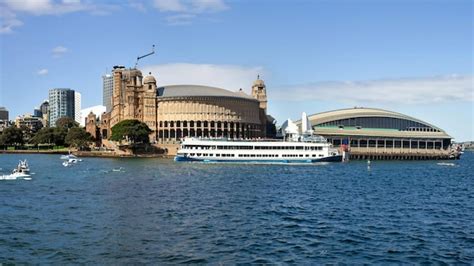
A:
x: 66, y: 122
x: 78, y: 137
x: 12, y: 136
x: 132, y: 130
x: 50, y: 135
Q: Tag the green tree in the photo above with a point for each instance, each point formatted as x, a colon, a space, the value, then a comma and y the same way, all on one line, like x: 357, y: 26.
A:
x: 12, y: 136
x: 132, y: 130
x: 66, y: 122
x: 50, y: 135
x: 78, y: 137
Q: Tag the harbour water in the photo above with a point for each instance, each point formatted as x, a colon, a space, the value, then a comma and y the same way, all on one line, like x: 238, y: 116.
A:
x: 111, y: 211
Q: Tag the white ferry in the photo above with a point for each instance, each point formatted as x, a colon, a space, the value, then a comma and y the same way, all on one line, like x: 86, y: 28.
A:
x: 294, y: 148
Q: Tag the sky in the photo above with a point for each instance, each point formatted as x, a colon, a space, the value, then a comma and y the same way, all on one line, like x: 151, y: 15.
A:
x: 413, y: 57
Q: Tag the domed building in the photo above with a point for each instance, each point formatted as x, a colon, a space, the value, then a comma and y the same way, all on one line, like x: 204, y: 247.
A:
x: 378, y: 133
x: 177, y: 111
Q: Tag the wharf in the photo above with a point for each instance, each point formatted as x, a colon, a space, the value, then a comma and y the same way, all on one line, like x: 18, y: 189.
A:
x: 402, y: 154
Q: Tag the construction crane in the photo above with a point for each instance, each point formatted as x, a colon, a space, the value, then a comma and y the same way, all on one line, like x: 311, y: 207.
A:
x: 140, y: 57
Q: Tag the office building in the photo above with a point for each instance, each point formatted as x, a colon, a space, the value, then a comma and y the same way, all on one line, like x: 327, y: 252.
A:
x: 107, y: 91
x: 61, y: 104
x: 3, y: 114
x: 77, y: 107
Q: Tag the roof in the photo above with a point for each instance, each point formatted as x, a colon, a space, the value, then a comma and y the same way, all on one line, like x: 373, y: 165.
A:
x: 377, y: 132
x: 198, y: 90
x: 149, y: 79
x: 324, y: 117
x: 320, y: 118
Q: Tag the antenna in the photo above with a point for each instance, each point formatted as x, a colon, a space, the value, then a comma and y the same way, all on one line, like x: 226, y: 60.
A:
x: 140, y: 57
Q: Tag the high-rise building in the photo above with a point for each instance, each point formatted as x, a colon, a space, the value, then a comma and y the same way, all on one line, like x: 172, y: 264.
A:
x: 44, y: 108
x: 3, y: 114
x: 37, y: 112
x: 77, y: 107
x: 107, y: 91
x: 61, y: 104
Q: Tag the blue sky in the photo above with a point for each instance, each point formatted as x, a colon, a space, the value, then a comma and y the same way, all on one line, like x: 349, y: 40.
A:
x: 414, y: 57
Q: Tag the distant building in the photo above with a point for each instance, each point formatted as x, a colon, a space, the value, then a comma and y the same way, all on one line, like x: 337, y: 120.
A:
x: 377, y: 133
x: 44, y: 108
x: 37, y: 112
x: 98, y: 110
x: 61, y: 104
x: 77, y: 107
x: 174, y: 112
x: 107, y: 91
x: 3, y: 114
x: 4, y: 124
x: 32, y: 122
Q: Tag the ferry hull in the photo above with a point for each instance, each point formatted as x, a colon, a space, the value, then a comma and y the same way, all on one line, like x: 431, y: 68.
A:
x: 336, y: 158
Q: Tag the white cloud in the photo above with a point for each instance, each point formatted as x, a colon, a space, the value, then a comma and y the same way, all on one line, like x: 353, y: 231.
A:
x: 11, y: 9
x: 46, y: 7
x: 184, y: 11
x: 42, y: 72
x: 169, y: 5
x: 230, y: 77
x: 137, y: 5
x: 8, y: 20
x: 180, y: 19
x: 404, y: 90
x: 201, y: 6
x: 58, y: 51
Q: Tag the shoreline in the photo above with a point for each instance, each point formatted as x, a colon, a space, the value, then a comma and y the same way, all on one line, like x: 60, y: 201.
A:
x: 86, y: 154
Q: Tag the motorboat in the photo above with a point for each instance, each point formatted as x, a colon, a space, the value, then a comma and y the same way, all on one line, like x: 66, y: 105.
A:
x: 69, y: 157
x: 22, y: 170
x: 71, y: 161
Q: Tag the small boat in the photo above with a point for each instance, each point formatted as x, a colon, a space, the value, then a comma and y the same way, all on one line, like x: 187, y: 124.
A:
x: 69, y: 157
x: 446, y: 164
x: 71, y: 161
x: 120, y: 169
x: 22, y: 170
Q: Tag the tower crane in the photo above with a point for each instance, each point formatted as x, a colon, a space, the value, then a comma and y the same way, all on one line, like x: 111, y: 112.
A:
x: 140, y: 57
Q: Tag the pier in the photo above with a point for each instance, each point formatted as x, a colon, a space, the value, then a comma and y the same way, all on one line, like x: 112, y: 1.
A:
x: 402, y: 154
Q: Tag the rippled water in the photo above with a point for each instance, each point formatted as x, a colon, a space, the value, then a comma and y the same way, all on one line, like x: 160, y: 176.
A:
x: 159, y: 211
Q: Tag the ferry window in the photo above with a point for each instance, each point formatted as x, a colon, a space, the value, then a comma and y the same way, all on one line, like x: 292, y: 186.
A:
x: 314, y: 155
x: 320, y: 155
x: 307, y: 155
x: 299, y: 147
x: 218, y: 155
x: 301, y: 155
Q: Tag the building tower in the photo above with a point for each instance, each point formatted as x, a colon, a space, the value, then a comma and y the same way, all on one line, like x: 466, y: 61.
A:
x: 127, y: 98
x: 3, y: 114
x: 259, y: 92
x: 44, y: 109
x: 150, y: 115
x: 107, y: 91
x: 61, y: 104
x: 77, y: 107
x: 91, y: 125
